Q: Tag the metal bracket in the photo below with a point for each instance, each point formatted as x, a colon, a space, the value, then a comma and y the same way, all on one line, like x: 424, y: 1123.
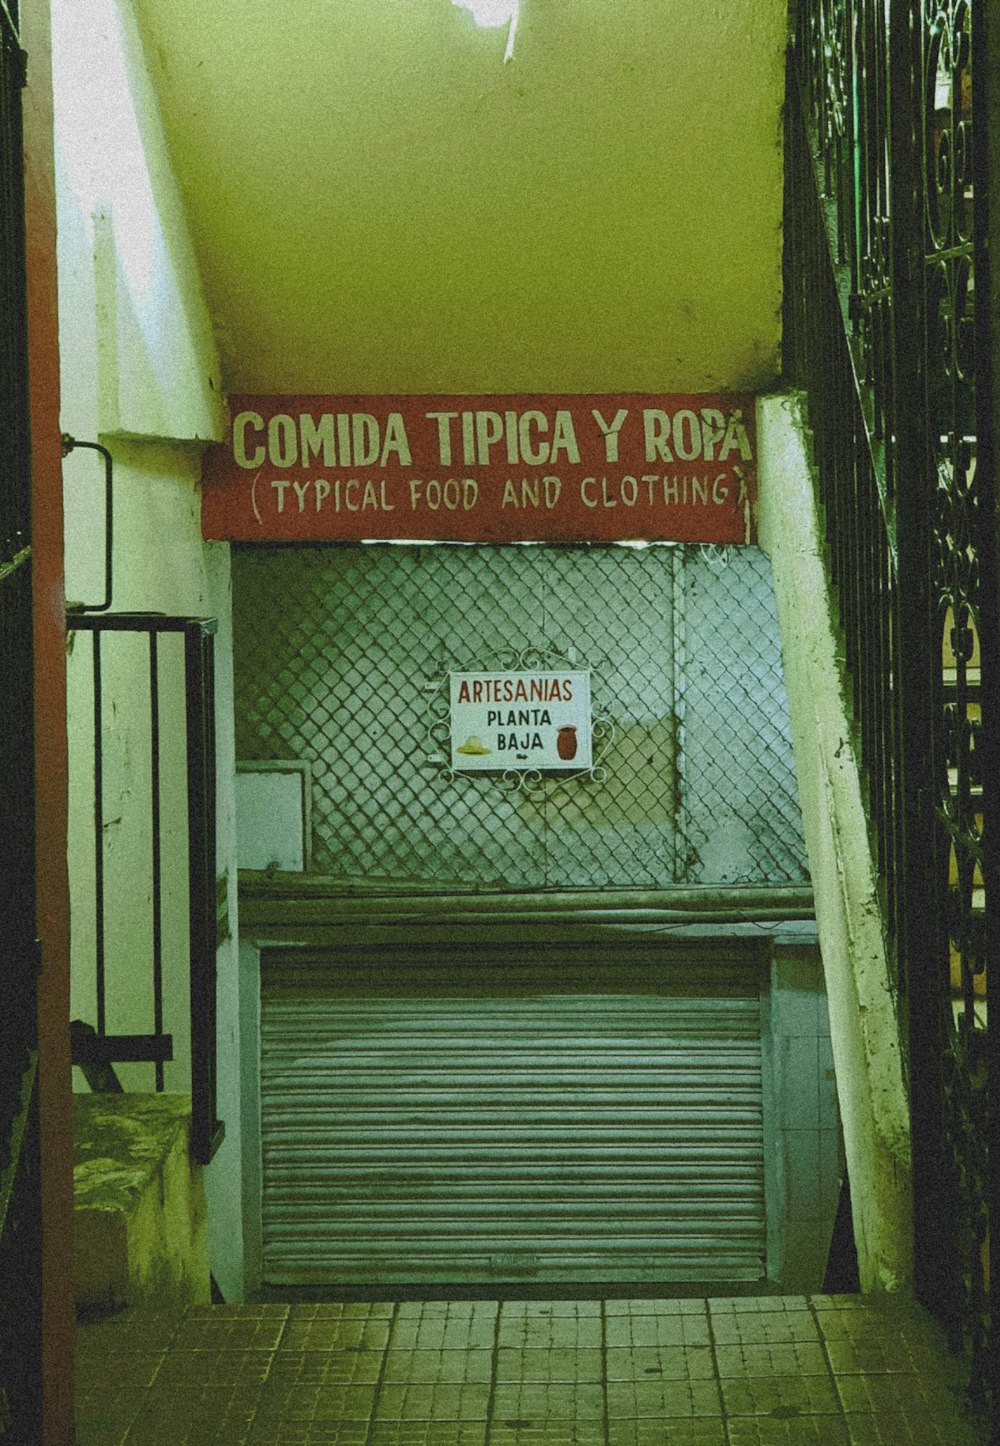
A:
x: 70, y: 444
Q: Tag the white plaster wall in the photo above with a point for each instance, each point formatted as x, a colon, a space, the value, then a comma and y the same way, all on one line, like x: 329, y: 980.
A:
x: 866, y: 1049
x: 382, y: 205
x: 159, y: 372
x: 140, y: 374
x: 805, y: 1147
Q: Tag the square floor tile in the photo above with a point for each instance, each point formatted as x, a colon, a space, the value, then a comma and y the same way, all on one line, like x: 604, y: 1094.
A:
x: 550, y: 1309
x: 659, y: 1398
x: 762, y: 1327
x: 788, y: 1431
x: 336, y: 1333
x: 657, y: 1330
x: 952, y: 1429
x: 563, y: 1401
x: 656, y: 1305
x: 555, y: 1365
x: 403, y: 1367
x: 548, y: 1332
x: 319, y: 1375
x: 515, y: 1432
x: 307, y: 1401
x: 243, y: 1368
x: 185, y: 1416
x: 448, y: 1309
x: 780, y: 1396
x: 860, y: 1326
x: 445, y: 1332
x: 878, y: 1354
x: 231, y: 1328
x: 911, y: 1397
x: 788, y: 1358
x: 428, y: 1433
x: 249, y: 1310
x: 696, y: 1432
x: 343, y: 1310
x: 757, y: 1304
x: 847, y: 1325
x: 325, y: 1368
x: 272, y: 1431
x: 432, y: 1403
x: 668, y: 1363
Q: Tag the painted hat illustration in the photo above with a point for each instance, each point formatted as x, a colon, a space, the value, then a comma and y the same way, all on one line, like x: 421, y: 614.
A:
x: 473, y: 745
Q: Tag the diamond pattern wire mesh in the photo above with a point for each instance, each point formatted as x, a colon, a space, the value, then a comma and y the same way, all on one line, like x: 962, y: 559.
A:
x: 338, y: 652
x: 742, y: 820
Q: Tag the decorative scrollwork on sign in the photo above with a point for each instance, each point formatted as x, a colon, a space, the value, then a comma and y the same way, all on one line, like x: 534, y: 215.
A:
x: 530, y: 780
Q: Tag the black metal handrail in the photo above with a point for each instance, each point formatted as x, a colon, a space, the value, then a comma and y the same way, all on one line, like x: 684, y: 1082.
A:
x: 861, y: 555
x: 94, y: 1048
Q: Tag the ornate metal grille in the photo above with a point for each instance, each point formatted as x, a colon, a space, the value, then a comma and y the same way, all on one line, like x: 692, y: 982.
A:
x: 885, y: 251
x: 338, y: 652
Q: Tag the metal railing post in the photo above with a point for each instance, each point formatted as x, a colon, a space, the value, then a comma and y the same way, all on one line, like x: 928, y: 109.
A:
x: 986, y: 167
x: 96, y: 1051
x: 199, y: 668
x: 918, y: 922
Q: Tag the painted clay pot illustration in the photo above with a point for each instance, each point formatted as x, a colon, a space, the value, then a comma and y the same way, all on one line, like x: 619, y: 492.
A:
x: 566, y: 742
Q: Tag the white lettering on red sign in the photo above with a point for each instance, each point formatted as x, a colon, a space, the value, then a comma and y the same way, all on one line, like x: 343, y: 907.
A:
x: 497, y: 469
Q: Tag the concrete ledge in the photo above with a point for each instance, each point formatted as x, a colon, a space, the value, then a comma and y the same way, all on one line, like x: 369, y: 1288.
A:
x: 864, y: 1027
x: 140, y: 1220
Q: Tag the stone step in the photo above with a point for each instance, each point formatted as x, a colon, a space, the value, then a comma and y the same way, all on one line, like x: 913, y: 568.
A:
x: 140, y: 1218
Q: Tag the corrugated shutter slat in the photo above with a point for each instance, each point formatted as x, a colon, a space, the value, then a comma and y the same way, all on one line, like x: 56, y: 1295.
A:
x: 529, y: 1120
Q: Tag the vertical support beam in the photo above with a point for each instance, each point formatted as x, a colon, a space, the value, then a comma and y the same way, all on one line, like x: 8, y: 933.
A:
x: 986, y: 164
x: 99, y: 839
x: 51, y: 763
x: 199, y: 669
x: 925, y: 998
x: 20, y: 1155
x: 155, y: 826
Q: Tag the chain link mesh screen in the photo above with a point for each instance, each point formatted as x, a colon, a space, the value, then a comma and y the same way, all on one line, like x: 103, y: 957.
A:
x: 741, y: 817
x: 339, y: 652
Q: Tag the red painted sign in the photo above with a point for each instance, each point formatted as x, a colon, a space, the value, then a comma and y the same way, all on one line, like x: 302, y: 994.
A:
x: 678, y: 468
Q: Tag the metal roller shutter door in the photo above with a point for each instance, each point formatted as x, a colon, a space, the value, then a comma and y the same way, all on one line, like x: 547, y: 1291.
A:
x: 443, y: 1118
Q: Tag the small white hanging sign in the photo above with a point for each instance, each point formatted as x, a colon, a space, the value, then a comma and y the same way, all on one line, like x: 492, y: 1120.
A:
x: 521, y: 721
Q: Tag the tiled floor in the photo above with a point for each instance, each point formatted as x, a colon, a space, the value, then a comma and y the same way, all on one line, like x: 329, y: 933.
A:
x: 827, y: 1370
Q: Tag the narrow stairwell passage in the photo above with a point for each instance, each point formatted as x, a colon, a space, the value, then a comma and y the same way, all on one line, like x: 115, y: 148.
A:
x: 829, y: 1370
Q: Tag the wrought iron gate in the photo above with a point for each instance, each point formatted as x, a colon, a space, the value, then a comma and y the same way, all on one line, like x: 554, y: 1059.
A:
x: 20, y: 1325
x: 886, y: 256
